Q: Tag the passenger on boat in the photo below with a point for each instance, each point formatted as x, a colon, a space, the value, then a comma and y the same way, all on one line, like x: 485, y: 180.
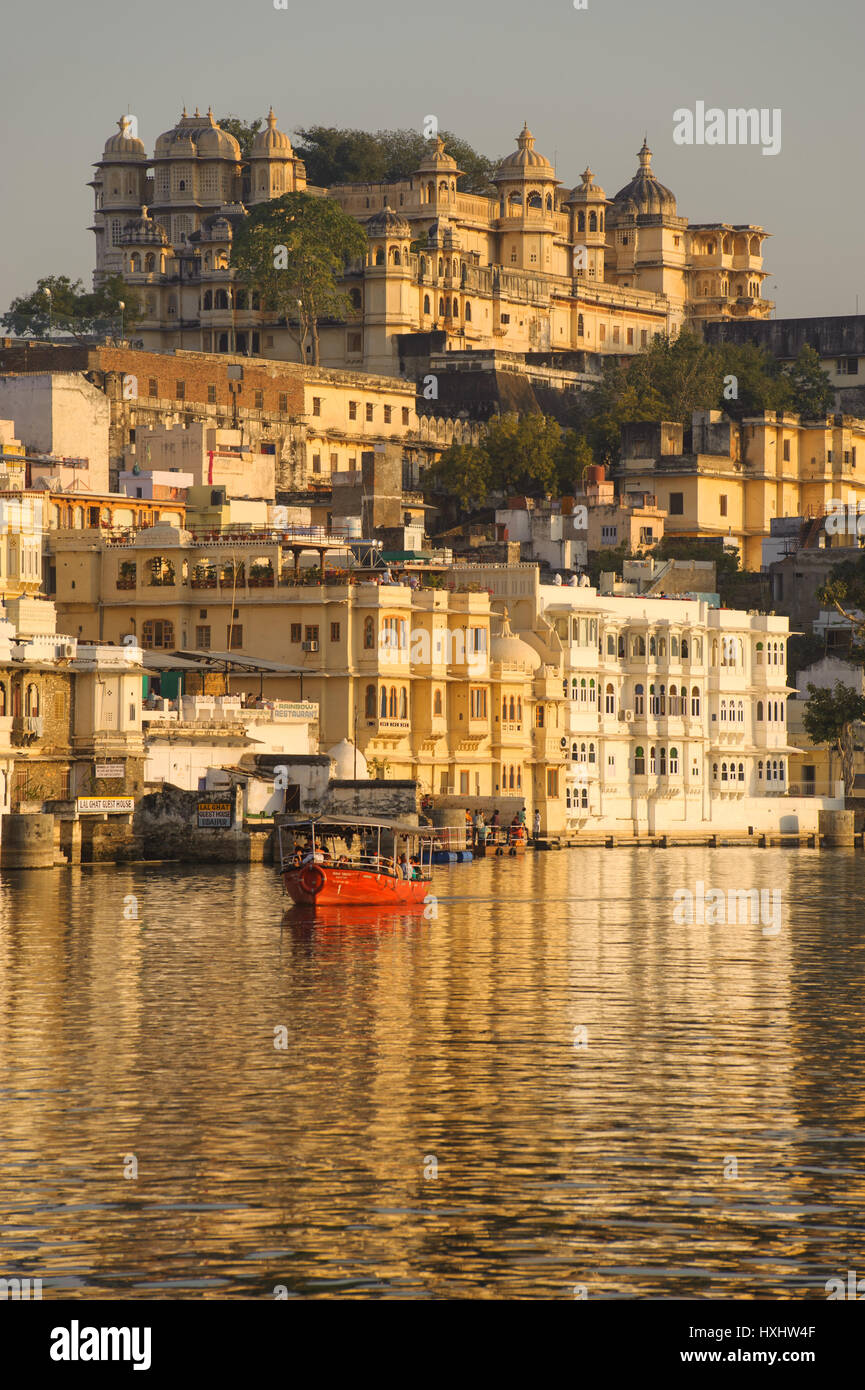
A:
x: 404, y: 869
x: 415, y: 866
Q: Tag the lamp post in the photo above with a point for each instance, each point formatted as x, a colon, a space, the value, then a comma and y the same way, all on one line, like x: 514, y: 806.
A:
x: 48, y: 297
x: 121, y: 306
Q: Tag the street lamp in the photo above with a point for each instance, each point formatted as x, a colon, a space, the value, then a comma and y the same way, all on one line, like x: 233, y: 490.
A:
x: 48, y: 297
x: 121, y: 306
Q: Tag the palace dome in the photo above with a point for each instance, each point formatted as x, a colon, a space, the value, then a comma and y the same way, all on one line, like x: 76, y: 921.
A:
x: 123, y: 145
x: 197, y: 134
x: 143, y: 231
x: 438, y: 160
x: 271, y: 141
x: 511, y: 650
x: 388, y: 223
x: 525, y: 162
x: 644, y: 193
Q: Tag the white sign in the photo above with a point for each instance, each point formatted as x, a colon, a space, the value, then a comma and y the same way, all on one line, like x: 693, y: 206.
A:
x: 294, y: 709
x: 93, y: 805
x: 110, y: 770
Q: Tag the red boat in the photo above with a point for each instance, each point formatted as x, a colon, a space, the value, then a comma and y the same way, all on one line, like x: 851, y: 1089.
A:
x: 352, y: 862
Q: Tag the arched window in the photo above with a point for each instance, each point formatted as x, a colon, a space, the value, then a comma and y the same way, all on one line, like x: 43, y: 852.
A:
x: 580, y: 329
x: 468, y: 313
x: 621, y: 648
x: 379, y: 255
x: 593, y: 221
x: 741, y: 772
x: 609, y: 700
x: 781, y: 715
x: 674, y: 647
x: 513, y: 710
x: 519, y: 709
x: 149, y: 263
x: 208, y: 299
x: 663, y: 762
x: 662, y: 646
x: 395, y: 256
x: 370, y: 702
x: 653, y: 647
x: 638, y: 646
x: 135, y: 263
x: 684, y: 649
x: 241, y: 299
x: 740, y: 712
x: 640, y: 761
x: 455, y: 309
x: 383, y: 703
x: 534, y: 200
x: 368, y: 634
x: 221, y: 299
x: 674, y: 700
x: 581, y: 221
x: 674, y: 762
x: 715, y: 772
x: 430, y: 191
x: 549, y: 202
x: 441, y: 308
x: 31, y: 701
x: 392, y: 706
x: 759, y: 709
x: 760, y: 770
x: 663, y: 700
x: 441, y: 266
x: 781, y: 769
x: 575, y: 753
x: 403, y: 703
x: 539, y: 716
x: 591, y: 752
x: 638, y: 699
x: 582, y: 689
x: 437, y: 703
x: 759, y: 653
x: 723, y: 772
x: 426, y: 307
x: 695, y: 702
x: 592, y: 690
x: 653, y: 760
x: 422, y: 266
x: 723, y: 711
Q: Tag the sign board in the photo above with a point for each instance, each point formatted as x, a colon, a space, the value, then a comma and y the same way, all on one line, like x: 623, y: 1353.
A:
x: 95, y: 805
x: 294, y: 709
x: 109, y: 770
x: 215, y: 815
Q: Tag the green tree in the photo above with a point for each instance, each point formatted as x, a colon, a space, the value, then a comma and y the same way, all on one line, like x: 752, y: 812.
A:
x: 244, y: 132
x: 523, y: 452
x: 759, y: 385
x: 463, y: 472
x: 67, y: 306
x: 335, y: 155
x: 844, y: 591
x: 829, y: 717
x: 813, y: 393
x: 293, y: 250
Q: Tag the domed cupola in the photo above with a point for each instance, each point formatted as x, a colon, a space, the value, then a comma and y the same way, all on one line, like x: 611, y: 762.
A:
x: 587, y: 205
x: 525, y: 162
x: 389, y: 239
x: 644, y: 195
x: 124, y: 148
x: 271, y: 141
x: 143, y: 231
x: 274, y: 168
x: 215, y: 143
x: 388, y: 223
x: 437, y: 175
x: 507, y: 649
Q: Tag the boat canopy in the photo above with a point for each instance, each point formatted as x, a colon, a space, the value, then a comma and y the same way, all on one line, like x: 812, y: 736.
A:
x: 356, y: 822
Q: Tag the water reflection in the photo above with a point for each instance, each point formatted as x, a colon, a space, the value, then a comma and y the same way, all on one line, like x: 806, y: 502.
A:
x: 606, y: 1097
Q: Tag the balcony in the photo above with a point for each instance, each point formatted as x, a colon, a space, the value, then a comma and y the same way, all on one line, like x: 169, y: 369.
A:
x: 26, y: 728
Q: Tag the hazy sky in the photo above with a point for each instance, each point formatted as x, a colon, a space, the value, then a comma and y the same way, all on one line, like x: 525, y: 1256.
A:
x: 589, y: 83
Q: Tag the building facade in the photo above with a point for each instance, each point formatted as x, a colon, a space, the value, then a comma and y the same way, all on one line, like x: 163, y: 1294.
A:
x: 536, y: 267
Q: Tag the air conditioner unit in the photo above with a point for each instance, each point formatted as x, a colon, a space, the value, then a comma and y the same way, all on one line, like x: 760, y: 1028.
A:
x: 68, y: 649
x: 563, y: 742
x: 629, y: 715
x: 310, y: 646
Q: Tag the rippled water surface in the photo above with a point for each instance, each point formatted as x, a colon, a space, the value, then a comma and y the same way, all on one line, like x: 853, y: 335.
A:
x: 552, y: 1084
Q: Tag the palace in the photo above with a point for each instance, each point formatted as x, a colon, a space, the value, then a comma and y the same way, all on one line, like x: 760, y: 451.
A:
x: 537, y: 268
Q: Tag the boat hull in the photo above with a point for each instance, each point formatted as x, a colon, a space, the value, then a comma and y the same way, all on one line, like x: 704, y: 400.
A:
x: 329, y: 886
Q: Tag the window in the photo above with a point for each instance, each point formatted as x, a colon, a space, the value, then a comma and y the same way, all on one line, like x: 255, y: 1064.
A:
x: 437, y: 703
x: 741, y: 772
x: 464, y: 783
x: 405, y: 416
x: 316, y: 463
x: 369, y: 703
x: 631, y: 337
x: 368, y: 634
x: 477, y: 702
x: 391, y: 704
x: 388, y: 411
x: 640, y: 762
x: 383, y: 704
x: 353, y: 343
x: 369, y: 410
x: 674, y: 762
x: 152, y: 386
x: 202, y: 638
x: 653, y: 760
x: 296, y: 632
x: 786, y: 450
x: 663, y: 762
x: 759, y: 710
x: 157, y: 632
x: 211, y: 395
x: 334, y: 632
x: 552, y: 782
x: 722, y: 503
x: 403, y: 703
x: 580, y: 326
x: 352, y: 410
x: 311, y: 632
x: 259, y: 400
x: 180, y: 390
x: 539, y: 716
x: 677, y: 504
x: 233, y: 637
x: 695, y: 702
x: 282, y: 403
x: 316, y: 405
x: 334, y: 461
x: 610, y: 700
x: 638, y: 699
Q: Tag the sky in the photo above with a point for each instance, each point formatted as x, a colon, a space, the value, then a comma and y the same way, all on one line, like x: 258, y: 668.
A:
x: 590, y: 83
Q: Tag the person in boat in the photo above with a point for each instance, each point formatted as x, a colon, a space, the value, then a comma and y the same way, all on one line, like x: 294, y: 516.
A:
x: 415, y: 867
x: 405, y: 871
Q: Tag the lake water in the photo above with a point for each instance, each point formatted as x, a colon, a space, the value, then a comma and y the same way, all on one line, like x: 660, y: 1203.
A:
x: 553, y: 1084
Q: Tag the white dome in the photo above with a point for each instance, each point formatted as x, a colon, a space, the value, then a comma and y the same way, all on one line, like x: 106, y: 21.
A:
x: 343, y: 755
x: 511, y: 650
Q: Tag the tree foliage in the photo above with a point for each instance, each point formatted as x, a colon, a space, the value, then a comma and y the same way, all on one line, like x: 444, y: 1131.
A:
x: 519, y: 454
x: 72, y: 309
x: 829, y: 717
x: 293, y: 250
x: 244, y: 132
x: 334, y: 155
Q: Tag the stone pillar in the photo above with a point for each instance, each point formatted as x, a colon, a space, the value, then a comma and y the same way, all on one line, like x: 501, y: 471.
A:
x: 27, y: 842
x: 836, y: 827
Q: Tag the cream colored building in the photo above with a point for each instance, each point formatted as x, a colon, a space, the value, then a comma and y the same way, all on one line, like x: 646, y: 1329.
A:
x: 536, y: 268
x: 719, y: 479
